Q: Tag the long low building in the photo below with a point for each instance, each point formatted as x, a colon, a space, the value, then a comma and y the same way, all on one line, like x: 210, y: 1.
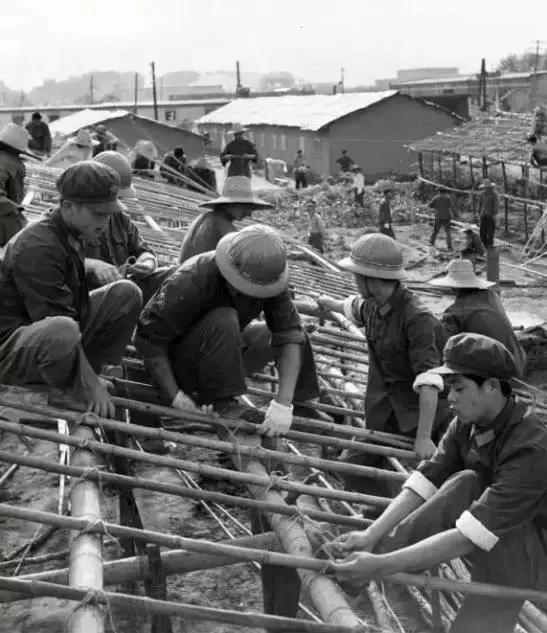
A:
x: 374, y: 128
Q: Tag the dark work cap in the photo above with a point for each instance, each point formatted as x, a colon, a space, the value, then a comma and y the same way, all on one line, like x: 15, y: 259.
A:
x: 91, y: 182
x: 477, y: 355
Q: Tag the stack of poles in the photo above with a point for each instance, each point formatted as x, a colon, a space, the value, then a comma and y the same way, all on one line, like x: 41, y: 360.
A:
x: 332, y: 344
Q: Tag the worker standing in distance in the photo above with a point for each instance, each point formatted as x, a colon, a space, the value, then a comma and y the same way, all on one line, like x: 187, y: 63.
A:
x: 384, y: 213
x: 345, y: 162
x: 40, y: 135
x: 477, y: 309
x: 300, y: 170
x: 404, y: 342
x: 488, y: 210
x: 239, y: 153
x: 442, y: 206
x: 482, y: 495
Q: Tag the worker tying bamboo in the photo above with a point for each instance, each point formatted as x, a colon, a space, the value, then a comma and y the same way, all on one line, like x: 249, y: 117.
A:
x: 236, y: 203
x: 404, y: 341
x: 52, y: 330
x: 199, y: 340
x: 119, y: 251
x: 482, y: 495
x: 478, y: 309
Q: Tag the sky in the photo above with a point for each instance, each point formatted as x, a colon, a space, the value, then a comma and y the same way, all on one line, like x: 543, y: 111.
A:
x: 312, y: 39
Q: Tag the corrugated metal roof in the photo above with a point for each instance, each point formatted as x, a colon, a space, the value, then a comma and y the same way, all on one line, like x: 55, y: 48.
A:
x: 65, y: 126
x: 308, y: 112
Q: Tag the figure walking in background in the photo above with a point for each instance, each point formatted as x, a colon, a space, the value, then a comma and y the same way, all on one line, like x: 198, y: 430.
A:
x: 488, y: 210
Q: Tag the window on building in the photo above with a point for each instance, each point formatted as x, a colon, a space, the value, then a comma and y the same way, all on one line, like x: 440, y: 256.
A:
x: 274, y: 141
x: 283, y: 143
x: 170, y: 115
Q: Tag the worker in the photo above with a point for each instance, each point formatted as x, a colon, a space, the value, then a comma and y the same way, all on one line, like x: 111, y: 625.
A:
x: 345, y: 162
x: 104, y: 141
x: 239, y: 153
x: 198, y: 345
x: 384, y: 214
x: 538, y: 153
x: 173, y: 164
x: 40, y: 135
x: 488, y: 210
x: 404, y: 341
x: 482, y: 495
x: 316, y: 228
x: 13, y: 142
x: 477, y: 309
x: 472, y: 248
x: 203, y: 174
x: 358, y: 186
x: 52, y: 330
x: 300, y: 170
x: 236, y: 203
x: 143, y: 159
x: 119, y: 251
x: 442, y: 206
x: 73, y: 151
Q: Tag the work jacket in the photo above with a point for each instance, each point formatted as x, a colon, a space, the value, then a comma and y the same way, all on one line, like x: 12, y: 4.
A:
x: 205, y: 233
x: 12, y: 180
x: 239, y: 166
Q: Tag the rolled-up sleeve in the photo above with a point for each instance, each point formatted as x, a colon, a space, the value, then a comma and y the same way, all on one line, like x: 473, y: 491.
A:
x: 423, y: 352
x: 136, y: 246
x: 353, y: 310
x: 169, y: 314
x: 283, y: 321
x: 512, y: 500
x: 40, y: 281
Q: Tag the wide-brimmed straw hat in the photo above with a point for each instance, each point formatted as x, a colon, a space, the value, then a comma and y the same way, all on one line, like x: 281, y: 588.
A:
x: 237, y: 189
x: 461, y: 275
x: 237, y: 128
x: 146, y: 149
x: 254, y: 261
x: 16, y: 137
x: 375, y: 255
x: 83, y: 138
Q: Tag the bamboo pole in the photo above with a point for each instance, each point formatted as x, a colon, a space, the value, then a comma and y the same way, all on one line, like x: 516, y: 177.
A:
x: 125, y: 481
x: 231, y: 448
x: 85, y: 568
x: 505, y: 200
x: 148, y: 606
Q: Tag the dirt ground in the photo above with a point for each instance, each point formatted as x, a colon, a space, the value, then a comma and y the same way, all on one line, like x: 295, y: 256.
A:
x: 235, y: 587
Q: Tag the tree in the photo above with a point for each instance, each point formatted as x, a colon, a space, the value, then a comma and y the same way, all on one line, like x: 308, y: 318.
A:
x: 522, y: 63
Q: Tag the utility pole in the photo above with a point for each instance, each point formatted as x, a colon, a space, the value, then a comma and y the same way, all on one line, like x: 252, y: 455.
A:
x: 482, y: 86
x: 342, y: 79
x: 136, y: 89
x: 154, y: 92
x: 91, y: 89
x: 238, y: 78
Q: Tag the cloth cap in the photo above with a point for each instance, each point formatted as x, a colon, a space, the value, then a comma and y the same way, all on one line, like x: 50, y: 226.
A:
x: 375, y: 255
x: 254, y: 261
x: 83, y: 138
x: 16, y: 137
x: 119, y: 163
x: 237, y: 189
x: 91, y: 182
x: 477, y: 355
x: 461, y: 275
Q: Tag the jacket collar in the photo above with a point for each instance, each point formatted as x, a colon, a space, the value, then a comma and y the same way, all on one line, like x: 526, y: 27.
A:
x: 391, y: 304
x: 485, y: 434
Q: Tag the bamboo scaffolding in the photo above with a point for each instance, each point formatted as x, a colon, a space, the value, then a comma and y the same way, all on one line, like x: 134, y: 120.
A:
x: 125, y: 481
x: 85, y: 568
x: 148, y: 606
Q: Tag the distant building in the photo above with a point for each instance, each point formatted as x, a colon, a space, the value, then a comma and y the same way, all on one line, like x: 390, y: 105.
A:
x: 374, y: 128
x: 415, y: 74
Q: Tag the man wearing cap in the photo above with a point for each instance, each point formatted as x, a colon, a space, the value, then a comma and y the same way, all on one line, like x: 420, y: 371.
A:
x: 239, y: 153
x: 488, y: 210
x: 482, y: 495
x: 404, y: 342
x: 52, y: 330
x: 442, y: 206
x: 236, y: 203
x: 477, y: 309
x: 119, y: 251
x: 13, y: 142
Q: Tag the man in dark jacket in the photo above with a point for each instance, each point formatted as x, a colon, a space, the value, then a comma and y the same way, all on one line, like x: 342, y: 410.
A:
x: 384, y: 214
x: 52, y: 330
x: 488, y: 210
x: 40, y: 136
x: 13, y: 142
x: 239, y: 153
x: 174, y: 163
x: 442, y: 206
x: 482, y: 495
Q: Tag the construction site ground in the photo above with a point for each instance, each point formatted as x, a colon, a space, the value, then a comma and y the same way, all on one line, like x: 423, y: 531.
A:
x: 237, y: 586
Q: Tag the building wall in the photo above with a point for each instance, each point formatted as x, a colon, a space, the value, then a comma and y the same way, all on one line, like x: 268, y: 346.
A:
x: 415, y: 74
x: 375, y: 137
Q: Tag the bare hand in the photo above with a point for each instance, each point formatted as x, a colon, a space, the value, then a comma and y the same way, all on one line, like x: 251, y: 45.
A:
x: 359, y: 568
x: 98, y: 398
x: 327, y: 304
x: 145, y: 265
x: 358, y: 540
x: 424, y: 447
x: 105, y: 273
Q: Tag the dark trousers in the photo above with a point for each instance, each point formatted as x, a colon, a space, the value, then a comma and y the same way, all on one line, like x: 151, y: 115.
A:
x: 487, y: 228
x: 48, y: 351
x: 300, y: 180
x: 519, y: 559
x: 150, y: 284
x: 359, y: 198
x: 316, y: 240
x: 442, y: 224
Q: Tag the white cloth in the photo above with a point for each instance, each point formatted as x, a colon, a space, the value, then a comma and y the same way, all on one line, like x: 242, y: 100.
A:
x: 428, y: 379
x: 359, y: 182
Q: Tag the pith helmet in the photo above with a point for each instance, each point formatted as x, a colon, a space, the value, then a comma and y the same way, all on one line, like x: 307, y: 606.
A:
x: 119, y: 163
x: 254, y: 261
x: 17, y: 137
x: 375, y: 255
